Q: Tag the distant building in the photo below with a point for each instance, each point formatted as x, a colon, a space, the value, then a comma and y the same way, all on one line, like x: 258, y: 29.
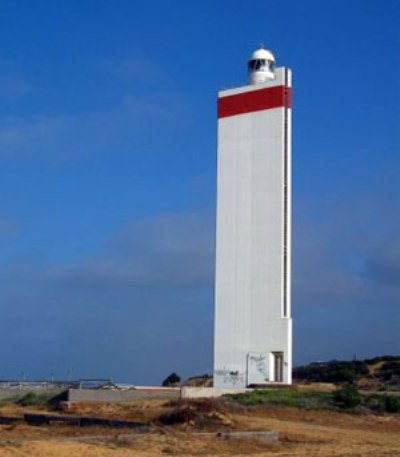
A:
x: 253, y: 326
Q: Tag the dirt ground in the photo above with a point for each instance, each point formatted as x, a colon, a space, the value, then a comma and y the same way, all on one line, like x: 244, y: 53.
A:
x: 302, y: 433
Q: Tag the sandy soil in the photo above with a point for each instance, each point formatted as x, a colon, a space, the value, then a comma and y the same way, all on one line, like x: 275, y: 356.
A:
x: 302, y: 433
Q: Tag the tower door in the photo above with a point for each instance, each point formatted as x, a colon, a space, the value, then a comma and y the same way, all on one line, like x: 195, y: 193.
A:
x: 278, y: 366
x: 257, y: 368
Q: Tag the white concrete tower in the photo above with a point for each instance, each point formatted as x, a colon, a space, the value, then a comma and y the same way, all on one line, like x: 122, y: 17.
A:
x: 253, y: 327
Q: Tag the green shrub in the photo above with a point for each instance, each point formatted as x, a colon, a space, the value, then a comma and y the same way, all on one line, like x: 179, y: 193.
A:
x: 33, y: 399
x: 382, y: 358
x: 374, y: 402
x: 392, y: 404
x: 333, y: 371
x: 172, y: 380
x: 283, y: 397
x: 347, y: 396
x: 389, y: 370
x: 28, y: 399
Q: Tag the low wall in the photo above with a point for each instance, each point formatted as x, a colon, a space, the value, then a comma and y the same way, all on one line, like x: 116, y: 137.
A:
x: 268, y: 436
x: 109, y: 395
x: 104, y: 395
x: 17, y: 393
x: 208, y: 392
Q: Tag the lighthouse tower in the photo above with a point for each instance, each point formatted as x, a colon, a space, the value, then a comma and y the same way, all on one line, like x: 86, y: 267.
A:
x: 253, y: 327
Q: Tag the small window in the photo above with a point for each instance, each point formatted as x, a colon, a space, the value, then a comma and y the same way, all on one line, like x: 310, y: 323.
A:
x: 271, y: 65
x: 252, y: 64
x: 261, y: 65
x: 257, y: 64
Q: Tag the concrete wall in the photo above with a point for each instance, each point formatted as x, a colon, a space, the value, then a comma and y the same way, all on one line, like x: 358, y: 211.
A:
x: 208, y: 392
x: 16, y: 393
x: 103, y: 395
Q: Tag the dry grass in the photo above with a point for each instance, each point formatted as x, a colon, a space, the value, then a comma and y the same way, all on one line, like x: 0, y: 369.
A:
x: 316, y: 387
x: 141, y: 411
x: 303, y: 433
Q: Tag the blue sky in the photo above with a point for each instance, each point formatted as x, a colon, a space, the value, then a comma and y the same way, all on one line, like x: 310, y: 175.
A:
x: 108, y: 168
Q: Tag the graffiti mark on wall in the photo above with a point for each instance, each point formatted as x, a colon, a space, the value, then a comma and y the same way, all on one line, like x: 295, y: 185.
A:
x: 231, y: 377
x: 257, y: 364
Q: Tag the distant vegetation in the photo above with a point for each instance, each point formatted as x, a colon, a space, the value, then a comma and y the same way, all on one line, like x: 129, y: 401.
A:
x: 33, y: 399
x: 345, y: 397
x: 335, y: 371
x: 369, y: 385
x: 376, y: 373
x: 284, y: 397
x: 172, y: 380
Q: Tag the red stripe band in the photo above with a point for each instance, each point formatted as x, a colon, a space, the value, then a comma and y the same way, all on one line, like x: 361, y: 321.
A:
x: 256, y: 100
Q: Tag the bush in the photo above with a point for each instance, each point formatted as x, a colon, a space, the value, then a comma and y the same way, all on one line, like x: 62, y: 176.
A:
x: 347, y: 396
x: 172, y: 380
x: 389, y: 370
x: 178, y: 416
x: 200, y: 412
x: 382, y: 358
x: 374, y: 402
x: 283, y: 397
x: 28, y: 399
x: 392, y: 404
x: 334, y: 371
x: 33, y: 399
